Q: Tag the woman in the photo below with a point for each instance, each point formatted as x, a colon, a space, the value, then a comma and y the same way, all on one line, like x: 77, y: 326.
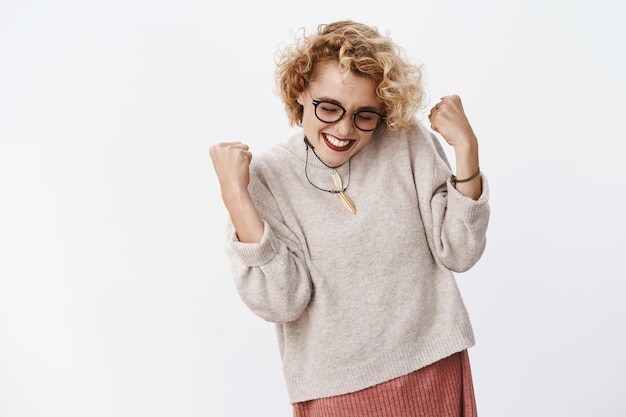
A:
x: 347, y: 235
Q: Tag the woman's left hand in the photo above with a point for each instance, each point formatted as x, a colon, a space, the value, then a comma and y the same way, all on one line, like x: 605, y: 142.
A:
x: 449, y: 120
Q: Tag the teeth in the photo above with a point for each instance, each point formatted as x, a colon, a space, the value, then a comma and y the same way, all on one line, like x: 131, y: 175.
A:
x: 337, y: 142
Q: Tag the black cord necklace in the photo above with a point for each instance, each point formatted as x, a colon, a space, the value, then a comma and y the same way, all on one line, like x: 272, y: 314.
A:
x: 343, y: 198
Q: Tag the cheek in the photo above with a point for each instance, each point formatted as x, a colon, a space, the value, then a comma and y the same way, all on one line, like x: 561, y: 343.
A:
x: 364, y: 140
x: 310, y: 122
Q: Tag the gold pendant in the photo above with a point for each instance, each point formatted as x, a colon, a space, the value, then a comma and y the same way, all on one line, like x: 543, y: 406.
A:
x: 344, y: 199
x: 347, y: 203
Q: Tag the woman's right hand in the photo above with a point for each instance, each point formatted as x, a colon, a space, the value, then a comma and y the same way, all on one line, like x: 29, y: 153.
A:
x: 231, y: 161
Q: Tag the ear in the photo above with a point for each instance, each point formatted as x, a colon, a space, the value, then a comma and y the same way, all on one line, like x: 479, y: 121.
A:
x: 299, y: 100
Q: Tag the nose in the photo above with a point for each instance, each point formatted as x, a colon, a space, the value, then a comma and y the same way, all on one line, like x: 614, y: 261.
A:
x: 345, y: 125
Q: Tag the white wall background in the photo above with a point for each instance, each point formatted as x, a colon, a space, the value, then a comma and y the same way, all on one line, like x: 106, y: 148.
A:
x: 115, y: 290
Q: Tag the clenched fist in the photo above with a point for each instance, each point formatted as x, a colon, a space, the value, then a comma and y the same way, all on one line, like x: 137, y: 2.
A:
x: 231, y: 161
x: 449, y: 120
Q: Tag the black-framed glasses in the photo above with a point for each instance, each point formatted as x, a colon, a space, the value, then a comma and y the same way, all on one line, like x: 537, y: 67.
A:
x: 329, y: 112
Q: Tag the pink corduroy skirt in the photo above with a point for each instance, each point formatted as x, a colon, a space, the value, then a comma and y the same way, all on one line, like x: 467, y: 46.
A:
x: 443, y: 389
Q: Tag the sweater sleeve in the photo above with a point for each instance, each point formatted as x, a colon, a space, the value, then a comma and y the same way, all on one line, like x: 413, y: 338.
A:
x: 456, y: 224
x: 460, y: 227
x: 271, y: 276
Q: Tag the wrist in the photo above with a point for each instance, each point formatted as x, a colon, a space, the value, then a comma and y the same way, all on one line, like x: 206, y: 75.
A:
x: 467, y: 144
x: 454, y: 180
x: 236, y: 197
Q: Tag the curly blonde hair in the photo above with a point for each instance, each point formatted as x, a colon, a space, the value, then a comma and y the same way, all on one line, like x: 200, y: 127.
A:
x: 359, y: 49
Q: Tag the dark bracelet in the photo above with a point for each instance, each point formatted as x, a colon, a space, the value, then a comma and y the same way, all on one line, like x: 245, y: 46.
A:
x: 455, y: 181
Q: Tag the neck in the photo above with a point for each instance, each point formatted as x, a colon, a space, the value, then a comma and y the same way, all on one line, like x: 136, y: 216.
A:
x: 308, y: 145
x: 334, y: 173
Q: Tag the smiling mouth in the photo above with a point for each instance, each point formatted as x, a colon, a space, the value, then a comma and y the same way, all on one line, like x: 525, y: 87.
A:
x: 338, y: 145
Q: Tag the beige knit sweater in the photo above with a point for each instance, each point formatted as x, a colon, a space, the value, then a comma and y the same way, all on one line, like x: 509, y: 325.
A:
x: 359, y: 299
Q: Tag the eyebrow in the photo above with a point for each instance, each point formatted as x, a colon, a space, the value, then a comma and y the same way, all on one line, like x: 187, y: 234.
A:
x: 332, y: 100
